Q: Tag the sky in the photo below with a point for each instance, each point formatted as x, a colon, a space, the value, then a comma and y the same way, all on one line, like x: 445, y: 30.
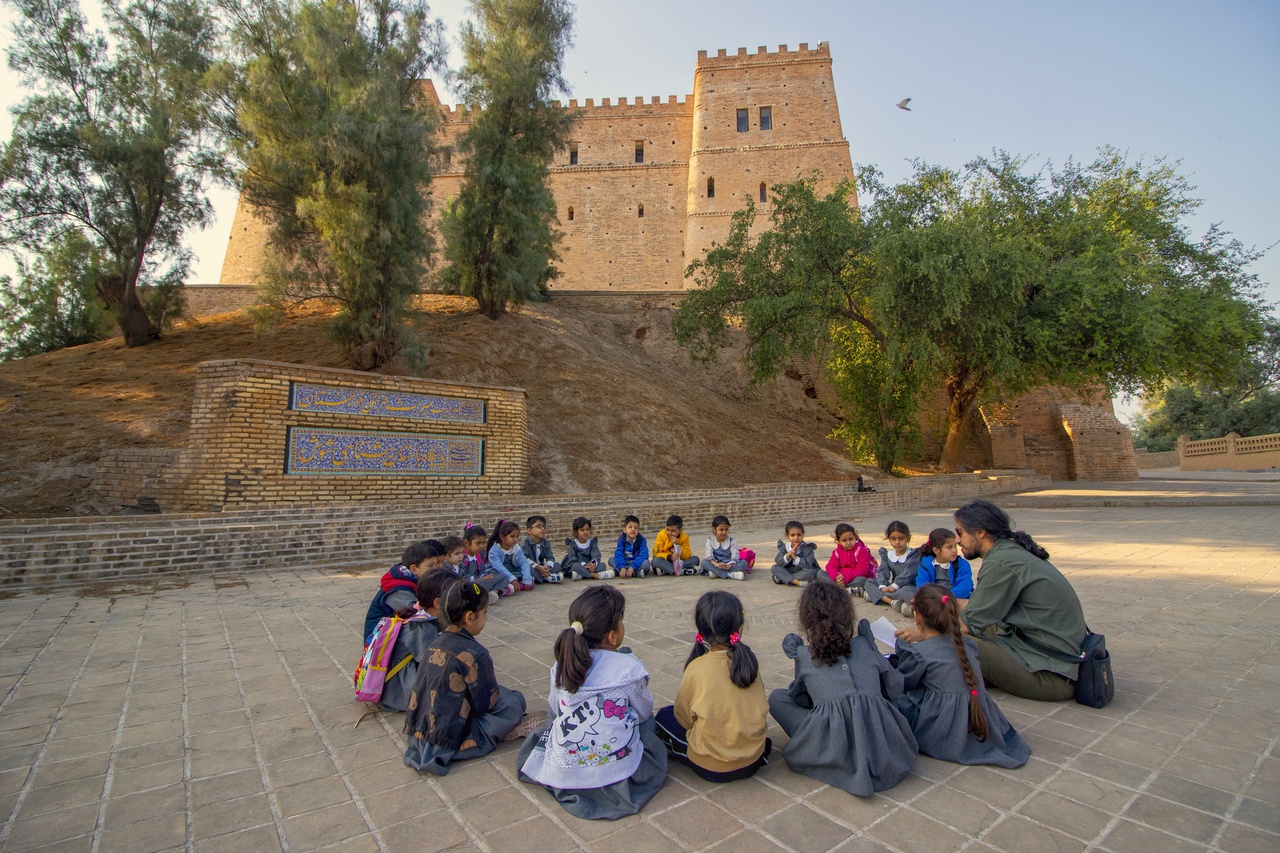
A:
x: 1189, y: 81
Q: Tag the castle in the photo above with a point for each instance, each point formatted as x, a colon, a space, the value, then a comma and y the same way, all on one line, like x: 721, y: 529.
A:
x: 645, y: 188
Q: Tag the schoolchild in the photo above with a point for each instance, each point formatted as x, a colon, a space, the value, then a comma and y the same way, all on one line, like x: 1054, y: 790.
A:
x: 672, y: 552
x: 398, y: 589
x: 839, y: 710
x: 895, y: 583
x: 582, y: 560
x: 457, y: 709
x: 631, y: 554
x: 455, y: 553
x: 506, y: 558
x: 717, y: 725
x: 599, y: 754
x: 415, y: 636
x: 795, y: 564
x: 537, y: 550
x: 475, y: 566
x: 941, y: 563
x: 851, y: 564
x: 945, y: 701
x: 722, y: 559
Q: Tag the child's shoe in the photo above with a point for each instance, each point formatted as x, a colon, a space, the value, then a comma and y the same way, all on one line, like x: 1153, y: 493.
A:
x: 528, y: 724
x: 510, y: 590
x: 737, y: 576
x: 802, y: 584
x: 606, y: 574
x: 525, y: 587
x: 905, y: 609
x: 555, y: 577
x: 493, y: 597
x: 689, y: 570
x: 857, y: 592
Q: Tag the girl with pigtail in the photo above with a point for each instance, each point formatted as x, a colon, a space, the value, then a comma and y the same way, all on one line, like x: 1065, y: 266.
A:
x: 599, y: 755
x: 951, y: 713
x: 941, y: 563
x: 839, y: 710
x: 717, y: 725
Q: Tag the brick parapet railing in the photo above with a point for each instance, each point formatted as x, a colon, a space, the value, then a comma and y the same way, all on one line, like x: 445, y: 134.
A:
x: 1230, y: 452
x: 37, y: 552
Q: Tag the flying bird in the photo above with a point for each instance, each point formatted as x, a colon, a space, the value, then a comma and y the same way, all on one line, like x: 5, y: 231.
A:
x: 902, y: 105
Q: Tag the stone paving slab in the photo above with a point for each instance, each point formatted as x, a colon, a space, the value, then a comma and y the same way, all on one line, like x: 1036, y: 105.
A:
x: 216, y: 714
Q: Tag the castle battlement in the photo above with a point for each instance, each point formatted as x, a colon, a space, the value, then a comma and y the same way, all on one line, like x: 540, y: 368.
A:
x: 763, y: 54
x: 655, y: 105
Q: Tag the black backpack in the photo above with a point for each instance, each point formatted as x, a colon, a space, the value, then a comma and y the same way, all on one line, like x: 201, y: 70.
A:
x: 1095, y: 685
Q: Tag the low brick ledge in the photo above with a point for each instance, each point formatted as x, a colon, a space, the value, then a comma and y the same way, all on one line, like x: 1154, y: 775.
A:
x: 35, y: 552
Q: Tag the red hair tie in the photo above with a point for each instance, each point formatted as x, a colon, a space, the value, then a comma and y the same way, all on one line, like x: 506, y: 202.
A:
x: 734, y: 638
x: 697, y: 638
x: 973, y: 693
x: 944, y: 599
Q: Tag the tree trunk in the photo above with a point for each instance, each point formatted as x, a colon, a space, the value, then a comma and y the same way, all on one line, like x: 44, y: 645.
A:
x: 135, y: 325
x: 964, y: 397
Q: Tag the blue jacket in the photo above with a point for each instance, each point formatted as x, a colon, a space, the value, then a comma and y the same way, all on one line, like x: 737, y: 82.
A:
x: 514, y: 564
x: 960, y: 582
x: 629, y: 555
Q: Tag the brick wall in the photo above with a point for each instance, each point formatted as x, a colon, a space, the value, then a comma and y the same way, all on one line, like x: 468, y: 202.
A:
x: 1101, y: 446
x: 1147, y: 460
x: 335, y: 535
x: 240, y: 422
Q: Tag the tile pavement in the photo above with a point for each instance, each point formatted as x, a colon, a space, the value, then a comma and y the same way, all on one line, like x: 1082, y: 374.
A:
x: 215, y: 713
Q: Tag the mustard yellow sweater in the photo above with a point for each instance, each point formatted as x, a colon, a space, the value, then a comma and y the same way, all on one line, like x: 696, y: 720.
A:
x: 726, y: 724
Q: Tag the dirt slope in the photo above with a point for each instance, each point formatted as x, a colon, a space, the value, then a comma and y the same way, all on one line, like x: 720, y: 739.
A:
x: 614, y: 404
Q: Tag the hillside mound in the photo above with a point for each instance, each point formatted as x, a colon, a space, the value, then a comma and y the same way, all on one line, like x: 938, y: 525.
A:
x: 614, y: 403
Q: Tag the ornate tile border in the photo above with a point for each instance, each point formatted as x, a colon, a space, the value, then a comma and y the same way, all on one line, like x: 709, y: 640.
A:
x: 335, y: 399
x: 345, y: 452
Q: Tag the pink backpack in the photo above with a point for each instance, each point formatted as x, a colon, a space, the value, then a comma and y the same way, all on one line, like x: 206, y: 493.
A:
x: 371, y: 672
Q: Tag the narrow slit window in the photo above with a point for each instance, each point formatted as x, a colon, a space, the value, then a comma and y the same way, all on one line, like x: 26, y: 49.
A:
x: 711, y: 187
x: 766, y: 118
x: 573, y: 153
x: 571, y: 213
x: 744, y: 121
x: 639, y: 150
x: 448, y: 158
x: 640, y: 211
x: 764, y: 193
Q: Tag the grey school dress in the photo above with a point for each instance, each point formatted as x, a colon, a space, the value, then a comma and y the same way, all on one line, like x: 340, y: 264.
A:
x: 936, y: 703
x: 844, y: 728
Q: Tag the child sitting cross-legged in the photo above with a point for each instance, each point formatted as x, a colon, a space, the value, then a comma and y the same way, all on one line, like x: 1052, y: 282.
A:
x: 722, y: 559
x: 537, y: 550
x: 631, y: 556
x: 582, y: 560
x: 398, y: 590
x: 416, y: 635
x: 672, y: 553
x: 795, y: 564
x: 599, y: 755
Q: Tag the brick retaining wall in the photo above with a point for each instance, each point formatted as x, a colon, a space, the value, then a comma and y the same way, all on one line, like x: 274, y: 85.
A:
x: 77, y: 549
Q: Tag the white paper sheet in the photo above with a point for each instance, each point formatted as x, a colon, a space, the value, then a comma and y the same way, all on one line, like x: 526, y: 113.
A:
x: 883, y: 630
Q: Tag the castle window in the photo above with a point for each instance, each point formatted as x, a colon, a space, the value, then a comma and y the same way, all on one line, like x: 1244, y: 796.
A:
x: 640, y: 211
x: 639, y: 150
x: 570, y: 213
x: 764, y: 193
x: 766, y: 118
x: 573, y: 153
x: 448, y: 158
x: 711, y: 187
x: 743, y: 121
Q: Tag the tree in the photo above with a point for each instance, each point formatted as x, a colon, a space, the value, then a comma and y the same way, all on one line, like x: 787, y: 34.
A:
x: 114, y: 145
x: 499, y: 232
x: 336, y: 137
x: 54, y: 303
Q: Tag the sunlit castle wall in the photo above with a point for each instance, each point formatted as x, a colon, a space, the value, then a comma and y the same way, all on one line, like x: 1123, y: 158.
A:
x: 647, y: 184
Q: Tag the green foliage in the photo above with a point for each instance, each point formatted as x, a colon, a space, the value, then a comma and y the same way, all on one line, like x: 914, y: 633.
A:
x: 114, y: 143
x: 499, y: 233
x: 54, y: 303
x: 336, y: 135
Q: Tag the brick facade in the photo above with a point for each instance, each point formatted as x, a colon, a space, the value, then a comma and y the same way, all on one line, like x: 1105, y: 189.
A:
x: 337, y: 534
x: 240, y: 422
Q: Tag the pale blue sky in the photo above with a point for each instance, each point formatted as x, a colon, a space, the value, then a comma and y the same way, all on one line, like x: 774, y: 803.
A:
x: 1193, y: 81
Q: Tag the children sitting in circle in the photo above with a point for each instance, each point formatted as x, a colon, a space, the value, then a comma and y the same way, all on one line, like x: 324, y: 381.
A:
x: 413, y: 639
x: 599, y: 754
x: 631, y: 555
x: 944, y: 699
x: 942, y: 564
x: 795, y: 564
x: 717, y: 725
x: 582, y: 560
x: 506, y: 558
x: 896, y: 581
x: 537, y: 550
x: 457, y: 709
x: 672, y: 553
x: 722, y: 559
x: 851, y: 564
x: 398, y: 590
x: 839, y: 710
x: 475, y: 566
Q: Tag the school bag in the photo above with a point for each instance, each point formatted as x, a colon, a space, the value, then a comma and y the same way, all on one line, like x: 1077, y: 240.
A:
x: 1095, y: 685
x: 371, y: 673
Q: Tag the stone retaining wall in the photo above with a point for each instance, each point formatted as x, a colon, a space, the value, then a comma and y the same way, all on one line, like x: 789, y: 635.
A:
x: 76, y: 549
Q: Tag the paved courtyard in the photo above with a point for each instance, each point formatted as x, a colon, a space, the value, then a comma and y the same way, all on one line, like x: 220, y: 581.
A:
x: 216, y: 713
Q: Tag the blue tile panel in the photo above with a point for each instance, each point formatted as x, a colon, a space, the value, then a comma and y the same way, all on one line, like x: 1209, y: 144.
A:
x: 386, y: 404
x: 346, y: 452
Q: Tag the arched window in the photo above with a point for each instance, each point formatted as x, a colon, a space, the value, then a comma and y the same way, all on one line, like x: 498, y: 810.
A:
x: 764, y: 193
x: 711, y: 187
x: 570, y: 213
x: 640, y: 211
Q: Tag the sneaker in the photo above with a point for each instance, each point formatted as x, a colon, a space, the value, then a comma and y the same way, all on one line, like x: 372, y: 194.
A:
x: 606, y: 574
x: 906, y: 610
x: 775, y: 580
x: 687, y: 571
x: 493, y: 597
x: 896, y: 605
x: 510, y: 590
x: 528, y: 724
x: 738, y: 576
x: 857, y: 591
x: 525, y: 587
x: 555, y: 577
x: 802, y: 584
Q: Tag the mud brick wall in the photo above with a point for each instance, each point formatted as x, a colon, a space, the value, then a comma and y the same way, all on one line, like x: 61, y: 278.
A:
x: 1101, y: 447
x: 240, y: 422
x: 33, y: 553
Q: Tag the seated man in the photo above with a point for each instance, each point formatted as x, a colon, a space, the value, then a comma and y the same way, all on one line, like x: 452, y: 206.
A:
x: 1020, y: 601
